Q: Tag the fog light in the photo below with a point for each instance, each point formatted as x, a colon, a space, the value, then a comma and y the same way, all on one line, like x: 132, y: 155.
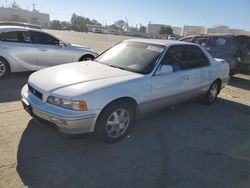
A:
x: 58, y: 120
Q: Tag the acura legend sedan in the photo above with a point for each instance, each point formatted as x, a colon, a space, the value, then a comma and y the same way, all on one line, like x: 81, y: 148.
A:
x: 28, y: 49
x: 134, y: 77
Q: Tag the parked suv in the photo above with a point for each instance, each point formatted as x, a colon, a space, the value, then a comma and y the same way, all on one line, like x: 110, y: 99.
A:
x: 24, y: 49
x: 234, y: 49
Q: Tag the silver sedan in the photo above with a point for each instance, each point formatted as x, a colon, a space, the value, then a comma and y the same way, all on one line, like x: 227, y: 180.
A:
x: 27, y: 49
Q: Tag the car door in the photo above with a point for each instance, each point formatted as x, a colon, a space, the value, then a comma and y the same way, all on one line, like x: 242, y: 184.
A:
x: 167, y: 89
x: 50, y: 53
x: 198, y: 67
x: 19, y: 50
x: 185, y: 80
x: 243, y: 48
x: 220, y: 47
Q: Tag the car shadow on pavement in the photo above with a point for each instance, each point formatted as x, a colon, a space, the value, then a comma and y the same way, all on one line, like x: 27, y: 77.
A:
x: 11, y: 86
x: 239, y: 82
x: 187, y: 145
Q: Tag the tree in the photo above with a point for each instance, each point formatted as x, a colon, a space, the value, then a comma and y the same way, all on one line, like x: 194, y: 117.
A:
x: 133, y: 30
x: 56, y: 24
x: 95, y: 22
x: 142, y: 29
x: 121, y: 24
x: 114, y: 27
x: 79, y: 23
x: 166, y: 30
x: 66, y: 25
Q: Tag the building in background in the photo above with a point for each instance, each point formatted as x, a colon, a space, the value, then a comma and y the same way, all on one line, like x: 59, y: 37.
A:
x: 193, y: 30
x: 220, y: 29
x: 153, y: 30
x: 187, y: 30
x: 15, y: 13
x: 239, y: 32
x: 177, y: 30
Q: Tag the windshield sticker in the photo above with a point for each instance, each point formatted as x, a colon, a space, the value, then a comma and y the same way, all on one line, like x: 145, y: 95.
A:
x: 154, y: 48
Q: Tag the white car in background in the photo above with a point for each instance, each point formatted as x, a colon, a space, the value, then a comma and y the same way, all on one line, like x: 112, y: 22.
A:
x: 26, y: 49
x: 133, y: 77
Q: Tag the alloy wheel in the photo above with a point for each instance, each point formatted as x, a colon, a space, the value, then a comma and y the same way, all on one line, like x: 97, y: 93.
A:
x: 87, y: 58
x: 213, y: 92
x: 117, y: 123
x: 2, y: 69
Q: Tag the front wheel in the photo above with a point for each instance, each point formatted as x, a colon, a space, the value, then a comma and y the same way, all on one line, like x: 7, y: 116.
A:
x: 212, y: 93
x: 114, y: 122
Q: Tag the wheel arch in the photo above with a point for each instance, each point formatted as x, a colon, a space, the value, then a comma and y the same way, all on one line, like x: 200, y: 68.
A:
x: 219, y: 81
x: 84, y: 55
x: 6, y: 60
x: 126, y: 99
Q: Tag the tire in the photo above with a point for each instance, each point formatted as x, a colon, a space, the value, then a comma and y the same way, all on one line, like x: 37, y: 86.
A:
x: 120, y: 116
x: 212, y: 93
x: 87, y: 58
x: 4, y: 68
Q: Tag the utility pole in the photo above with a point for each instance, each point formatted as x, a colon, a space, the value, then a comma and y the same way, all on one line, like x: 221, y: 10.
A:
x: 126, y: 23
x: 34, y: 6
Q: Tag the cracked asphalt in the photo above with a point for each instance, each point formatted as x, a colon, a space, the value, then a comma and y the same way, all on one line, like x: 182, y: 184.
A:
x: 188, y: 145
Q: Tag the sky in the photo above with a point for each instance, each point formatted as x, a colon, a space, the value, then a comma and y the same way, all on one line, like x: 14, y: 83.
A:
x: 233, y: 13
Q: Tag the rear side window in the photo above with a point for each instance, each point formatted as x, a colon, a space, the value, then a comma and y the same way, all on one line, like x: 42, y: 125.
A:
x: 11, y: 36
x: 204, y: 42
x: 221, y: 41
x: 15, y: 36
x: 194, y: 57
x: 188, y: 39
x: 43, y: 38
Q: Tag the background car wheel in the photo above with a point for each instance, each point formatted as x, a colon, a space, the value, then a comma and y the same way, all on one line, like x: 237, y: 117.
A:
x: 114, y: 121
x: 87, y: 58
x: 4, y: 68
x: 212, y: 93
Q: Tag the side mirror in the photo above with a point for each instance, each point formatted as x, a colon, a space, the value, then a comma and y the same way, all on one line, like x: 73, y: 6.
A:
x: 203, y: 44
x: 239, y: 59
x: 164, y: 69
x: 61, y: 43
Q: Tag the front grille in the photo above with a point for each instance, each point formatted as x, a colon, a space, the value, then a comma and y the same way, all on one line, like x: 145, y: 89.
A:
x: 35, y: 92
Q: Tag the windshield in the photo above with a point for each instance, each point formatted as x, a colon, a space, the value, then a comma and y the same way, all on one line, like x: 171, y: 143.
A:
x: 132, y: 56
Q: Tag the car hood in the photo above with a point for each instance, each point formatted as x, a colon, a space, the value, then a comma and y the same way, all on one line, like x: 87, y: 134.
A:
x: 58, y: 77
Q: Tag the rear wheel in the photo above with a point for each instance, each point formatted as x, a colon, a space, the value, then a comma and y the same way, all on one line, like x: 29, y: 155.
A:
x: 212, y: 93
x: 4, y: 68
x: 114, y: 121
x: 87, y: 58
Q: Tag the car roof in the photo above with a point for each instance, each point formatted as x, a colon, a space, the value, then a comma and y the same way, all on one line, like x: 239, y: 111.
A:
x: 16, y: 28
x: 211, y: 35
x: 158, y: 42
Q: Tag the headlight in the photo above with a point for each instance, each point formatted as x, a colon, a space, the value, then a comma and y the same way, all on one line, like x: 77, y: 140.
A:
x: 69, y: 104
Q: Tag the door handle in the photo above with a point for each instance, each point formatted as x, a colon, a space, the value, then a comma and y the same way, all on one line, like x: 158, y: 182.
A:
x: 43, y: 50
x: 185, y: 77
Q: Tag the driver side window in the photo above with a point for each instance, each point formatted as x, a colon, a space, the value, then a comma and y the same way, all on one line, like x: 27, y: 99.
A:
x: 174, y: 57
x: 43, y: 38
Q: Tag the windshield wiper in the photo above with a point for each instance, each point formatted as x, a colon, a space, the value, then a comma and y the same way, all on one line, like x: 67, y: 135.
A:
x: 115, y: 66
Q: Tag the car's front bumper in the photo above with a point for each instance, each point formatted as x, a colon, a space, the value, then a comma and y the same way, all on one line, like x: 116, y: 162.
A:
x: 70, y: 123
